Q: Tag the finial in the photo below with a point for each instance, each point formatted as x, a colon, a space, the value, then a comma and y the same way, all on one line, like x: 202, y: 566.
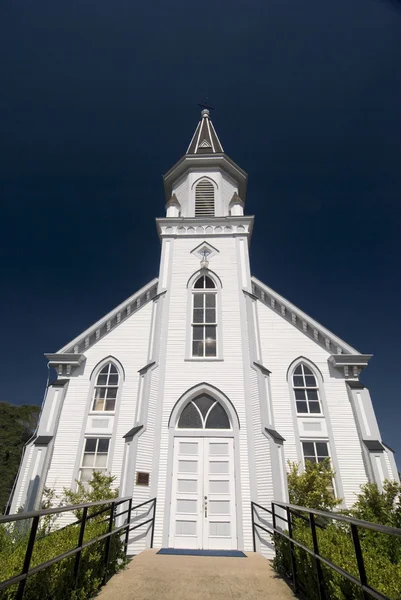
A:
x: 205, y: 113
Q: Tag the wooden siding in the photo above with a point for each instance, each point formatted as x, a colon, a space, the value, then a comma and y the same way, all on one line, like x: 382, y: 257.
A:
x: 281, y: 345
x: 128, y: 343
x: 181, y: 374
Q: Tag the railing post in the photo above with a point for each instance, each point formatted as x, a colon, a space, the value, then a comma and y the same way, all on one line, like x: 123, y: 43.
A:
x: 128, y: 524
x: 80, y: 542
x: 274, y: 517
x: 292, y: 551
x: 359, y: 559
x: 28, y: 556
x: 253, y: 526
x: 108, y: 542
x: 153, y: 523
x: 318, y: 566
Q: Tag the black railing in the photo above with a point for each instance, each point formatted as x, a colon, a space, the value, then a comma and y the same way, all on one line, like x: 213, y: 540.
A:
x: 286, y: 512
x: 109, y: 506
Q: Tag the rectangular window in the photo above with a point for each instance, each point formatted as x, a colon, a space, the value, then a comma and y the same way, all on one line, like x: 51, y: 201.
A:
x: 204, y: 325
x: 94, y: 458
x: 317, y: 452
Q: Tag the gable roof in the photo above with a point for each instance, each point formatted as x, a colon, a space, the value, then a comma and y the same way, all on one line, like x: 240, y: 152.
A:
x: 301, y: 320
x: 110, y: 321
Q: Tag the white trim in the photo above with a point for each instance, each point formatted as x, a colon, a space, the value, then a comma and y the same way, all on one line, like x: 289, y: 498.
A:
x: 363, y: 414
x: 379, y: 469
x: 210, y: 135
x: 304, y: 317
x: 165, y: 264
x: 91, y: 330
x: 36, y: 464
x: 53, y: 403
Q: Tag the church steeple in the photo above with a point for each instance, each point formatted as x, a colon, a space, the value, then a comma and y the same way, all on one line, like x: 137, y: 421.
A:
x: 205, y: 139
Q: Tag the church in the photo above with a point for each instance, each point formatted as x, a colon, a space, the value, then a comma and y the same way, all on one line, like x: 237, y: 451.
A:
x: 201, y: 386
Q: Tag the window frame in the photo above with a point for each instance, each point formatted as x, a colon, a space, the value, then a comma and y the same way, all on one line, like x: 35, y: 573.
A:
x: 329, y: 456
x: 95, y: 454
x: 305, y: 388
x: 204, y: 292
x: 212, y: 183
x: 96, y: 386
x: 204, y: 418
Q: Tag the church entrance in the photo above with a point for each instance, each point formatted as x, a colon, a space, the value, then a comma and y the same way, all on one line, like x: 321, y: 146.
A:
x: 203, y: 509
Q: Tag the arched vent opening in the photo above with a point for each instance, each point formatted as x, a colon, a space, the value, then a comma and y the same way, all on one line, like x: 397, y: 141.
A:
x: 204, y: 199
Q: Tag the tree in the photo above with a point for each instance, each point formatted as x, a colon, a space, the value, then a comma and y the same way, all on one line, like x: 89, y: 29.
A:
x: 17, y: 424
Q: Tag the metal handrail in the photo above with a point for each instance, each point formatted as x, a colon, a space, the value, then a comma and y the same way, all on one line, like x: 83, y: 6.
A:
x: 125, y: 529
x: 294, y: 510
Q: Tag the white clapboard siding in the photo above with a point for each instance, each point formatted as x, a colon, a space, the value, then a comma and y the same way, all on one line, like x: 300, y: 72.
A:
x: 128, y: 343
x: 227, y: 375
x: 281, y: 345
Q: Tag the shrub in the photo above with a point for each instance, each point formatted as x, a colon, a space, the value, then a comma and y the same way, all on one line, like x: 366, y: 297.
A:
x: 382, y: 553
x: 57, y: 581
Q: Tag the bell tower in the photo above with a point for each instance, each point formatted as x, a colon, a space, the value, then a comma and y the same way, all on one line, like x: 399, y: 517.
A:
x: 205, y: 182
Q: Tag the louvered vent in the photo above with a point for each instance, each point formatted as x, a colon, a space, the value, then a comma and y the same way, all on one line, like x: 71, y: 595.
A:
x: 204, y: 199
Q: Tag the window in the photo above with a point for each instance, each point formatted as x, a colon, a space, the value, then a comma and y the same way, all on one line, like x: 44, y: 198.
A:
x: 315, y: 452
x: 204, y: 413
x: 204, y: 199
x: 204, y: 322
x: 94, y: 458
x: 306, y: 390
x: 106, y: 387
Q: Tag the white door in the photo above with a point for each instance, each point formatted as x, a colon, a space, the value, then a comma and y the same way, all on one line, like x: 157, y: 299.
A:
x: 203, y: 494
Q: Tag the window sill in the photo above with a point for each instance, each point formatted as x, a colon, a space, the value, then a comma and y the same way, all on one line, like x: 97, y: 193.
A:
x: 99, y: 413
x: 204, y: 359
x: 311, y: 415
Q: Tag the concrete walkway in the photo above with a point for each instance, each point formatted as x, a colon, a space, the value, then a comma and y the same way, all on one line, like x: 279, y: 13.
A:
x: 150, y: 576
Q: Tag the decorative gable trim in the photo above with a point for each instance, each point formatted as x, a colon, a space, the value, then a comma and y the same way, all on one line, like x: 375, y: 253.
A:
x: 203, y: 248
x: 205, y: 144
x: 309, y: 327
x: 111, y: 320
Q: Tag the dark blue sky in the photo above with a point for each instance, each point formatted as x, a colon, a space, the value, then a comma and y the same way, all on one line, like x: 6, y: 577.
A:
x: 99, y: 99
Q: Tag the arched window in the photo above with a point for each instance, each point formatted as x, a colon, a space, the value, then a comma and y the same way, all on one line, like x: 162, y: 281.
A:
x: 306, y: 390
x: 204, y: 199
x: 106, y: 387
x: 204, y: 323
x: 204, y: 412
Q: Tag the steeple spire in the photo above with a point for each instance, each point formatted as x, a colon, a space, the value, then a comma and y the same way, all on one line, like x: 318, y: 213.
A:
x: 205, y: 140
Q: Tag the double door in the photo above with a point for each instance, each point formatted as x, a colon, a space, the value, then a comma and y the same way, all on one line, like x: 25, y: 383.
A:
x: 203, y: 494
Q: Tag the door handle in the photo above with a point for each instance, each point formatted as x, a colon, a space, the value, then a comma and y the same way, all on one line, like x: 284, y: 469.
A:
x: 205, y: 506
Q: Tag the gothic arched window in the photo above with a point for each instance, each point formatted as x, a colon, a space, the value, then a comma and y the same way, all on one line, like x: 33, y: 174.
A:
x: 306, y: 390
x: 204, y: 199
x: 106, y: 388
x: 204, y: 323
x: 204, y: 412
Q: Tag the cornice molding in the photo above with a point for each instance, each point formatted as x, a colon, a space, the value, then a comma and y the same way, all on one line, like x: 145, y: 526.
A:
x: 301, y: 321
x: 201, y: 226
x: 109, y: 322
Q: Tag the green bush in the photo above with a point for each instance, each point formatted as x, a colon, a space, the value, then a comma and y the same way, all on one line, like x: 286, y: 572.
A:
x: 57, y: 581
x: 381, y: 552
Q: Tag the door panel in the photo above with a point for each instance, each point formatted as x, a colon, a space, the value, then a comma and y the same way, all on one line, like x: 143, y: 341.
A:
x: 186, y: 506
x: 203, y: 494
x: 219, y: 528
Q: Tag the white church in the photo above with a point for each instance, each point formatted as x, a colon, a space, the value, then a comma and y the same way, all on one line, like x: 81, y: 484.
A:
x: 200, y: 387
